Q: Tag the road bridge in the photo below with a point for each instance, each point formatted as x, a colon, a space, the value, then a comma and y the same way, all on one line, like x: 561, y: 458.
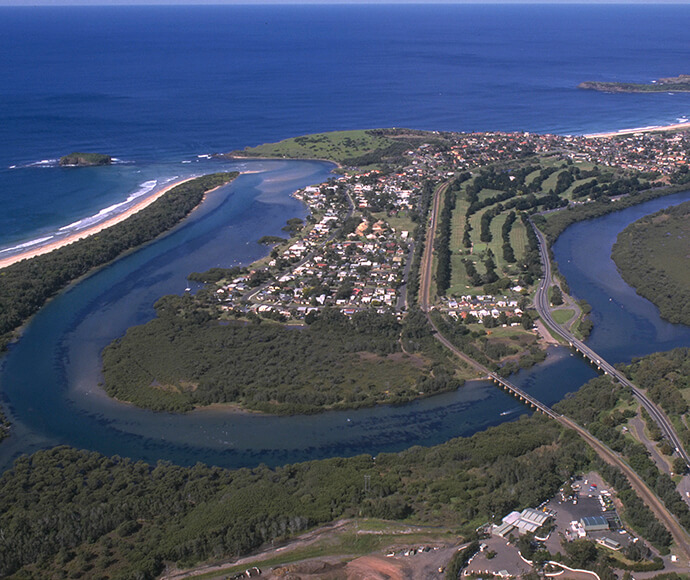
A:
x: 679, y: 534
x: 541, y: 302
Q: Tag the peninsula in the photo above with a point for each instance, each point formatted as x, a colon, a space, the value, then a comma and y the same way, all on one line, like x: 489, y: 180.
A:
x: 351, y: 274
x: 30, y: 278
x: 679, y: 84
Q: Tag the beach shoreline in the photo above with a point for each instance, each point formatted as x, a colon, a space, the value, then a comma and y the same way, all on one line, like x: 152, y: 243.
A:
x: 39, y: 250
x: 649, y: 129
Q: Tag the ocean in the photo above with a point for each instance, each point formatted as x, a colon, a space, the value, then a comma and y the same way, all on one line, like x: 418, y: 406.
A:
x: 161, y: 88
x: 158, y: 86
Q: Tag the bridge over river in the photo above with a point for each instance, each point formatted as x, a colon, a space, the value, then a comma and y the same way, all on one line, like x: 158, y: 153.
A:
x: 541, y: 303
x: 679, y: 534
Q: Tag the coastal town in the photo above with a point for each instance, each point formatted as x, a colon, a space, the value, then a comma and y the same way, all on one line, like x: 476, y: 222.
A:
x: 345, y: 290
x: 355, y: 248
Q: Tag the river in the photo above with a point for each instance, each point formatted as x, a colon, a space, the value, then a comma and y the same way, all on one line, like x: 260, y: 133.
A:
x: 49, y: 379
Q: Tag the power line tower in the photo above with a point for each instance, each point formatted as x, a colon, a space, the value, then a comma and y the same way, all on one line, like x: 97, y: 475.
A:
x: 367, y: 484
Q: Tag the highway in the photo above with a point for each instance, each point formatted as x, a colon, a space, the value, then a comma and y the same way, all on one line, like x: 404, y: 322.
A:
x: 541, y: 302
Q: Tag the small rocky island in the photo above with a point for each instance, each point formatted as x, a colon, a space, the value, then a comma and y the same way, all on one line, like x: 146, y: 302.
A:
x: 85, y: 160
x: 679, y: 84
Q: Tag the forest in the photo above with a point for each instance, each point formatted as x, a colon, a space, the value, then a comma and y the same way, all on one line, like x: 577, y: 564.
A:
x: 27, y: 285
x: 666, y: 377
x: 183, y: 359
x: 77, y: 514
x: 69, y: 513
x: 652, y: 256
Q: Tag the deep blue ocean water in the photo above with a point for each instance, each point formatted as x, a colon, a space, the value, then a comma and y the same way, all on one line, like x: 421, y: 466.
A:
x: 154, y: 85
x: 159, y: 87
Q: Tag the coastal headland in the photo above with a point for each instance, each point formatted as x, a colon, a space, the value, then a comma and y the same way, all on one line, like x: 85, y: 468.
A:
x: 679, y: 84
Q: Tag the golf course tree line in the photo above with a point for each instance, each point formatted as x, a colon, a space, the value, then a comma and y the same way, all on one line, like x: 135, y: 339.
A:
x: 26, y: 285
x: 652, y: 256
x: 442, y: 241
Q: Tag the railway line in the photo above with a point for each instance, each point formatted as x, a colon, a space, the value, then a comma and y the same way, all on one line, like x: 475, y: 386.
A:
x: 680, y: 536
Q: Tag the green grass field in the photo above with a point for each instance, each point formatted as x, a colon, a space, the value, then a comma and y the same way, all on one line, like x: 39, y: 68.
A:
x: 550, y: 181
x: 399, y: 223
x: 484, y: 193
x: 518, y: 239
x: 458, y: 224
x: 532, y: 176
x: 338, y: 146
x: 562, y: 316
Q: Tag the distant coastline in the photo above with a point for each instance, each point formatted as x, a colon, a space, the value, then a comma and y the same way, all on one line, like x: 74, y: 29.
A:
x: 263, y: 152
x: 649, y: 129
x: 679, y: 84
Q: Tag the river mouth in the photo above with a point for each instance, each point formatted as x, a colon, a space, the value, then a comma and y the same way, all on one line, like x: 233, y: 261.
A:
x: 50, y: 377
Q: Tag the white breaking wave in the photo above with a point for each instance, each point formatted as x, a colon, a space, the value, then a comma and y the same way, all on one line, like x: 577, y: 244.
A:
x: 43, y: 163
x: 144, y: 188
x: 27, y: 244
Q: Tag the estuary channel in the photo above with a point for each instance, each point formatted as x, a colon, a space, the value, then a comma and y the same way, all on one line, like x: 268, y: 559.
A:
x: 49, y: 379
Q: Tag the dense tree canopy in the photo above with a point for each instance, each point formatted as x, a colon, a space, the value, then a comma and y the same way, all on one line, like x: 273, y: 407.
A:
x: 73, y: 512
x: 652, y: 256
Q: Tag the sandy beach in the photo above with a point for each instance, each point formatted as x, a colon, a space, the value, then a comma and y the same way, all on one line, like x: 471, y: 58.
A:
x: 650, y: 129
x: 45, y: 249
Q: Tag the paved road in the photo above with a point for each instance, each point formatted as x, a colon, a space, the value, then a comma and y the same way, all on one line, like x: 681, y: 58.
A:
x: 679, y: 535
x: 541, y: 303
x: 249, y: 296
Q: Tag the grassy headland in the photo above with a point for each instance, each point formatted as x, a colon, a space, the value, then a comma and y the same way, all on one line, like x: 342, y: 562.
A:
x: 352, y: 148
x: 679, y: 84
x: 653, y: 256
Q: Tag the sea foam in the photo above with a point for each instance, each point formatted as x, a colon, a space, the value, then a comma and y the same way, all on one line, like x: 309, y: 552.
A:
x: 144, y: 188
x: 27, y: 244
